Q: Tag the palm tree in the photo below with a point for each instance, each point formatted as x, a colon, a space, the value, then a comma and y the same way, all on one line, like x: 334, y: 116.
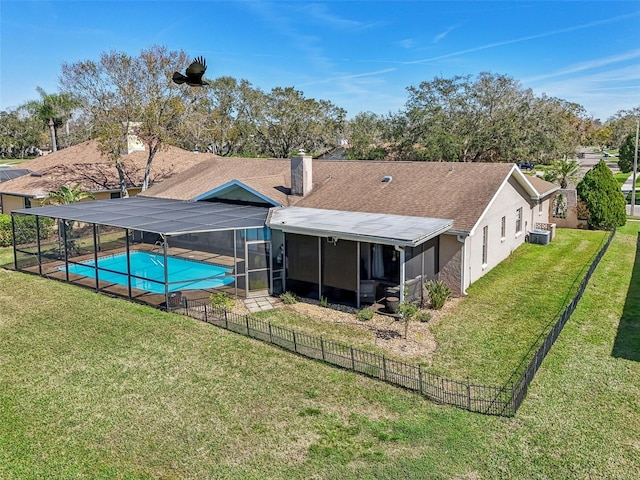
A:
x: 53, y: 110
x: 563, y: 172
x: 67, y: 195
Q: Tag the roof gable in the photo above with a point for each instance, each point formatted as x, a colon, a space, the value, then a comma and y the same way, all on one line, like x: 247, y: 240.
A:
x: 238, y: 191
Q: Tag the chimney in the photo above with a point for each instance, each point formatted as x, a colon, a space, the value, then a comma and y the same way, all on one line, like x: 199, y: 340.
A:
x: 301, y: 181
x: 133, y: 142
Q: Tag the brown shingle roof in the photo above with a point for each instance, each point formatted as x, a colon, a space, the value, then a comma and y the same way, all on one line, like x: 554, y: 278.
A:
x: 268, y: 176
x: 84, y: 164
x: 458, y: 191
x: 542, y: 186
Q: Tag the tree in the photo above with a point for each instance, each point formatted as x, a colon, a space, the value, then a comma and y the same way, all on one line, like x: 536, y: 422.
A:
x: 365, y: 135
x: 563, y: 172
x: 602, y: 137
x: 621, y: 123
x: 486, y: 119
x: 19, y: 134
x: 66, y: 196
x: 53, y: 110
x: 626, y: 153
x: 126, y: 95
x: 284, y: 121
x: 217, y: 121
x: 604, y: 199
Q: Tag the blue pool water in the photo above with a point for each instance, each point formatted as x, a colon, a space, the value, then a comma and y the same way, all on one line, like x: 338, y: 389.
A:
x: 147, y: 272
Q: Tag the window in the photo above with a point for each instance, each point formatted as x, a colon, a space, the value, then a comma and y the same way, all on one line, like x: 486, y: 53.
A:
x: 519, y: 220
x: 485, y: 238
x: 540, y: 208
x: 503, y: 228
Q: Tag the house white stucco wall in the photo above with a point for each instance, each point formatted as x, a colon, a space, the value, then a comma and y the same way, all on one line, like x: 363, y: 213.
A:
x: 499, y: 246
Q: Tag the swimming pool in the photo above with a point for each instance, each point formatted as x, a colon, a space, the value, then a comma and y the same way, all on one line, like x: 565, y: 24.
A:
x: 147, y: 272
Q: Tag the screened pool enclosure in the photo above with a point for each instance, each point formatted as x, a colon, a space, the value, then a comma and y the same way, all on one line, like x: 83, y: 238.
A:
x: 151, y: 250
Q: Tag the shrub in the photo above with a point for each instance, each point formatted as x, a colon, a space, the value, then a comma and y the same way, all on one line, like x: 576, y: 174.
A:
x: 601, y: 193
x: 25, y: 229
x: 408, y: 310
x: 289, y: 298
x: 222, y: 300
x: 5, y: 230
x: 423, y: 316
x: 438, y: 293
x: 365, y: 314
x: 324, y: 302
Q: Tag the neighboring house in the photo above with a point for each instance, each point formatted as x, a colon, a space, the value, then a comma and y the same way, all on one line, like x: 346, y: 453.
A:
x: 85, y: 165
x: 336, y: 227
x: 7, y: 174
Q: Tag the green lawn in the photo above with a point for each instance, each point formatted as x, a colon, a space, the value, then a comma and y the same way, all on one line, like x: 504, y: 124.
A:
x: 95, y: 387
x: 490, y: 331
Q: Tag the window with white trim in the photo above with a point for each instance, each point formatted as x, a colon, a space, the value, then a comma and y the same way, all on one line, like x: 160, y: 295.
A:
x: 503, y: 228
x: 485, y: 239
x: 519, y: 220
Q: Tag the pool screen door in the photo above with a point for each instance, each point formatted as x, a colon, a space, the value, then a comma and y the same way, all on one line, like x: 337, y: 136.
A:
x: 258, y: 267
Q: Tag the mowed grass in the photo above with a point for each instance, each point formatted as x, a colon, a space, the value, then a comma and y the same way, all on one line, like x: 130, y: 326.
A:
x: 487, y: 335
x: 492, y: 330
x: 94, y: 387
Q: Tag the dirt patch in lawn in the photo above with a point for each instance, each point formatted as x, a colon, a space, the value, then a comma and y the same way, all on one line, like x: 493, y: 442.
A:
x: 387, y: 332
x: 383, y: 331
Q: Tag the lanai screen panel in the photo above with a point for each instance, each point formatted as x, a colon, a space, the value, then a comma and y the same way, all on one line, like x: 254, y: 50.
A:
x: 340, y: 265
x: 156, y: 215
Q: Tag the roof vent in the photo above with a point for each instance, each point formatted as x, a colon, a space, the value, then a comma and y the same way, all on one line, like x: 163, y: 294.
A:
x: 387, y: 179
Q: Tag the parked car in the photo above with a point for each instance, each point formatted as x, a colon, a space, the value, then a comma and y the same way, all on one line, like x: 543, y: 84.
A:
x: 526, y: 165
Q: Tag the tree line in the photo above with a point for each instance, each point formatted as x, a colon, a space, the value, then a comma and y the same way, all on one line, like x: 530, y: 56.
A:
x: 484, y: 118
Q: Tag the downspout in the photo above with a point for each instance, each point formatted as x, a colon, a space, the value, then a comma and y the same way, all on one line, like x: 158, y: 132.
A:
x: 358, y: 279
x: 401, y: 250
x: 463, y: 240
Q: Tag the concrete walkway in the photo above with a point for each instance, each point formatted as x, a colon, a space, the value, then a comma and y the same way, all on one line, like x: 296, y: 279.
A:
x: 260, y: 304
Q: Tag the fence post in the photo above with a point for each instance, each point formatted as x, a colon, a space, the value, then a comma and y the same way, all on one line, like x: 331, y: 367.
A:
x: 226, y: 322
x: 353, y: 361
x: 295, y: 344
x: 468, y: 394
x: 270, y: 335
x: 322, y: 347
x: 420, y: 378
x: 206, y: 315
x: 384, y: 368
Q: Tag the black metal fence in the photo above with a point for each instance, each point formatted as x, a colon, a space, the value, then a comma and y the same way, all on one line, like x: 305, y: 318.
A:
x: 521, y: 384
x: 491, y: 400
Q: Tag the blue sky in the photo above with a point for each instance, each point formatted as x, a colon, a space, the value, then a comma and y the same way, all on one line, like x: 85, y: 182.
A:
x: 359, y: 55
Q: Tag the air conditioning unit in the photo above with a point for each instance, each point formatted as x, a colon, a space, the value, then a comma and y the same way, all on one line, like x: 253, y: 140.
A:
x: 540, y: 237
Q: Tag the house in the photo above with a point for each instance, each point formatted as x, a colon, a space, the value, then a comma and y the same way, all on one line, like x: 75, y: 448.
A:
x: 345, y: 223
x: 352, y: 232
x: 30, y: 184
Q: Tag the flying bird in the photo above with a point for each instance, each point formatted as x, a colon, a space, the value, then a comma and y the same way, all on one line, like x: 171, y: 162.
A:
x: 194, y: 74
